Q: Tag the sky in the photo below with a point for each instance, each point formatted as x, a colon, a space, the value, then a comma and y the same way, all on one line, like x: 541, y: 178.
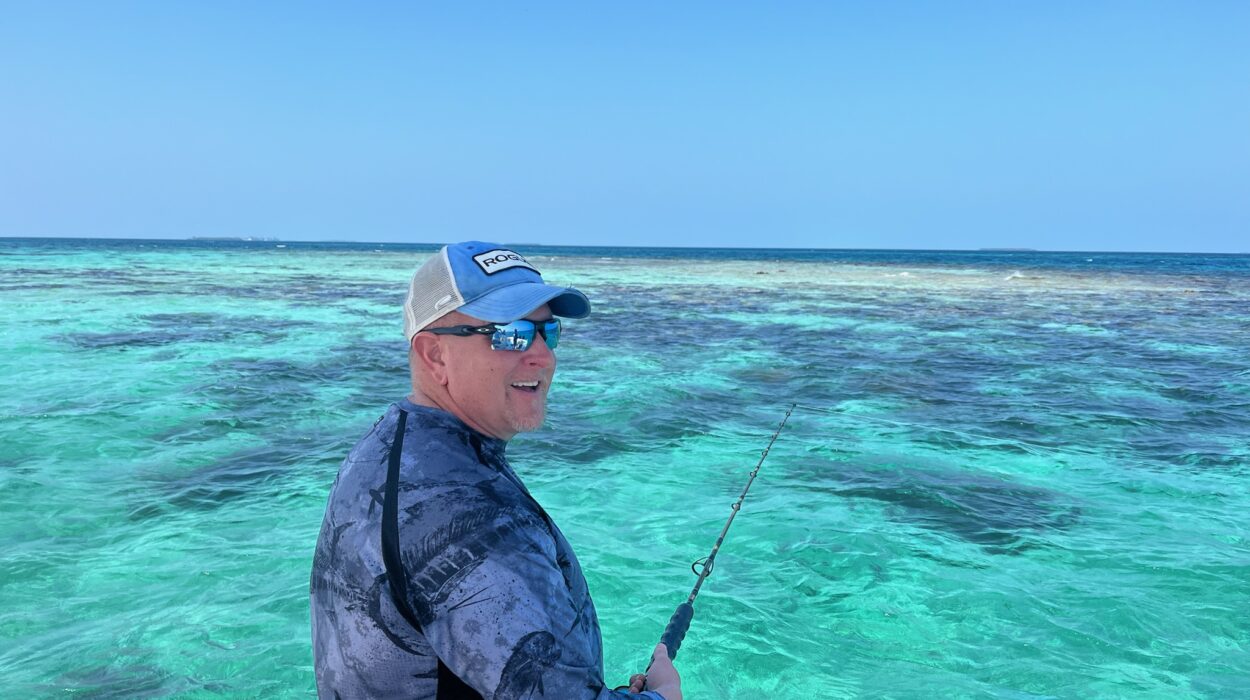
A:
x: 944, y: 125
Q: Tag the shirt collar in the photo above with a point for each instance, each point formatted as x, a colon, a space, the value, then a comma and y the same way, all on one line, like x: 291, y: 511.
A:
x: 490, y: 446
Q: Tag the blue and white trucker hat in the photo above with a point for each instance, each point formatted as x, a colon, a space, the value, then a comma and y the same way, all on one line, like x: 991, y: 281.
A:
x: 486, y: 281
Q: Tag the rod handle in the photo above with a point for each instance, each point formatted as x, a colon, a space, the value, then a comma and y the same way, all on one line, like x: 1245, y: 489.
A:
x: 678, y: 624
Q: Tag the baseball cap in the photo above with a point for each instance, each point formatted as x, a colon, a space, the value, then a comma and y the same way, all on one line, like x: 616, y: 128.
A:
x: 486, y: 281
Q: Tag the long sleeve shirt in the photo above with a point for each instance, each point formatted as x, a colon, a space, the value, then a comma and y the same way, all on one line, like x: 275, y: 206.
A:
x: 482, y: 596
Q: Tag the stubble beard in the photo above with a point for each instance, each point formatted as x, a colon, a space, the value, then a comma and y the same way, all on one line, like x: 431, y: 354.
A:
x: 529, y: 420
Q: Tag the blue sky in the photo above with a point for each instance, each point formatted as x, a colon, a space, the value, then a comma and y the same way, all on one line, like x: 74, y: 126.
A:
x: 1058, y: 125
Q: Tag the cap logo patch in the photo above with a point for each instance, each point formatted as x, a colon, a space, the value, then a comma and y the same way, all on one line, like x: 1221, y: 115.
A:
x: 500, y: 259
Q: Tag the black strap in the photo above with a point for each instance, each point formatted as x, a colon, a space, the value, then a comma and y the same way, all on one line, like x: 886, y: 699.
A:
x: 390, y: 528
x: 450, y: 687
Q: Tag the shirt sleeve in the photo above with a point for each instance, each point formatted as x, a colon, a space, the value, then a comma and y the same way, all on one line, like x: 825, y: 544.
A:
x: 498, y: 610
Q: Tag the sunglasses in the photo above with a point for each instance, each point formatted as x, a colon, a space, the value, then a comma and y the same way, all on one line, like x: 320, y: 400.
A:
x: 508, y: 336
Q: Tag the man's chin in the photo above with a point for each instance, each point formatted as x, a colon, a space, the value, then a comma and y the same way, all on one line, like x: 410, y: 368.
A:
x: 527, y: 424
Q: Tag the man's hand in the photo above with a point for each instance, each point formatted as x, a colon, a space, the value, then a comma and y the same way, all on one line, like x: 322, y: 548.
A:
x: 661, y: 677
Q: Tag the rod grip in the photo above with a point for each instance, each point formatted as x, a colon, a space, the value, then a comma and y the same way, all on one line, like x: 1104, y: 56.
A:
x: 678, y: 624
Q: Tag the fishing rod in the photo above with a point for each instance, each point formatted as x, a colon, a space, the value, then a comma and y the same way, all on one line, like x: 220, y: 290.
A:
x: 679, y: 623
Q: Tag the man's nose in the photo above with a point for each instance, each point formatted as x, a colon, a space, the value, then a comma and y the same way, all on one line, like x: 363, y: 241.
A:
x: 538, y: 354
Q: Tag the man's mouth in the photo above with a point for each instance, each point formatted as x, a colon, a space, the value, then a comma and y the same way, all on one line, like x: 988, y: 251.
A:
x: 526, y: 386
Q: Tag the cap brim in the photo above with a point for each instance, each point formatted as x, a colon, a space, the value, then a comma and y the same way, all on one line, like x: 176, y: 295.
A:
x: 519, y: 300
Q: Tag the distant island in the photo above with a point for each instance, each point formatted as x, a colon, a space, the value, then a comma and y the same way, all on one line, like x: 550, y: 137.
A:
x: 1008, y: 250
x: 233, y: 238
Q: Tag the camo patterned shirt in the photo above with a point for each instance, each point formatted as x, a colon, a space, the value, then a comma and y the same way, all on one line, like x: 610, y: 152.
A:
x: 496, y: 603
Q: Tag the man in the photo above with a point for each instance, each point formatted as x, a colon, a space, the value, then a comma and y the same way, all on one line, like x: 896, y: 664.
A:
x: 437, y: 574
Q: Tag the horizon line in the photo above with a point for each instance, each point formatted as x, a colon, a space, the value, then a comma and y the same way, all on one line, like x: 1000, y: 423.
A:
x: 268, y: 239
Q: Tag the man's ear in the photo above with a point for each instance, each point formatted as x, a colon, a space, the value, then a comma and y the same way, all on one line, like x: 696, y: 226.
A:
x: 428, y: 357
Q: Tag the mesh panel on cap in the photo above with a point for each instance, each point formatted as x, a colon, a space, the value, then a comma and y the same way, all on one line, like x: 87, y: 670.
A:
x: 431, y: 294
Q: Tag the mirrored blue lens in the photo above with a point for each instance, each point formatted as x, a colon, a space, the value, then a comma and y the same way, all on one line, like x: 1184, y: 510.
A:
x: 513, y: 336
x: 518, y: 335
x: 551, y: 332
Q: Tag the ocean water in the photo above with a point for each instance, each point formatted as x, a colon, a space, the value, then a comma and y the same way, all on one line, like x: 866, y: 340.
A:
x: 1008, y: 474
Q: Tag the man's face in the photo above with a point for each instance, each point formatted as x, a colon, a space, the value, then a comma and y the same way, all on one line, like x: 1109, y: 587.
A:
x: 492, y: 390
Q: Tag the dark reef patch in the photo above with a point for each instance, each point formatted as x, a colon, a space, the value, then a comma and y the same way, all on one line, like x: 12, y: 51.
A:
x: 154, y: 330
x: 248, y: 473
x: 1001, y: 516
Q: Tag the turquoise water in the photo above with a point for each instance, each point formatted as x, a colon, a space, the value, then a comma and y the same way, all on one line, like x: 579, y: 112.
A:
x: 1010, y: 475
